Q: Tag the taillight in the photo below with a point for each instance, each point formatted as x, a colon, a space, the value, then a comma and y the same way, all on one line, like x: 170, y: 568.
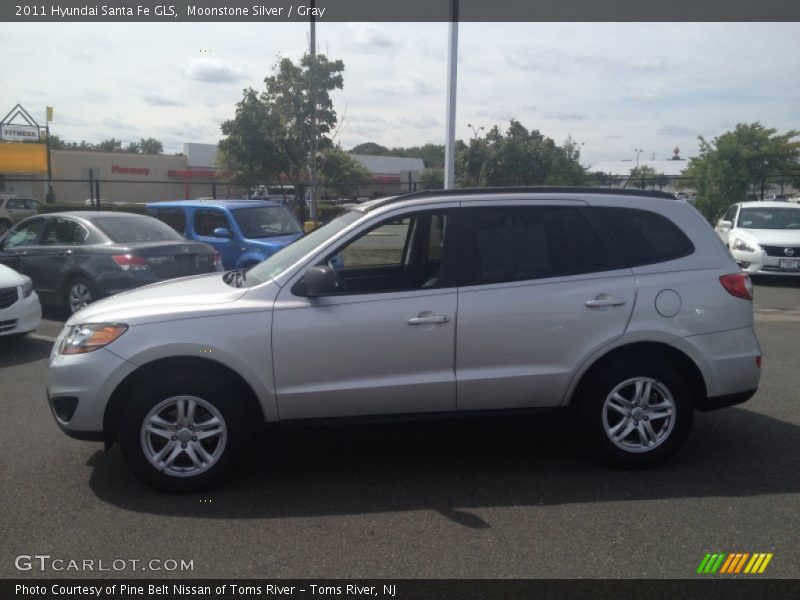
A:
x: 738, y: 284
x: 128, y: 262
x: 217, y: 259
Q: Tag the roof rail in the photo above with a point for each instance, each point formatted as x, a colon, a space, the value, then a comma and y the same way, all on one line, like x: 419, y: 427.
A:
x: 529, y: 189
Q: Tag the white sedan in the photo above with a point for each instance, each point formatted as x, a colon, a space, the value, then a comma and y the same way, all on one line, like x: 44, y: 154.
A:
x: 763, y: 237
x: 20, y: 311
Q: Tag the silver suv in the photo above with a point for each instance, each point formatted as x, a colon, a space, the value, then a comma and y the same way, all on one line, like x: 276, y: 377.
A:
x: 622, y: 307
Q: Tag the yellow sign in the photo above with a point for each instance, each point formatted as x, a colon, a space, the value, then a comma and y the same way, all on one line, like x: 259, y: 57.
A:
x: 23, y: 158
x: 49, y: 113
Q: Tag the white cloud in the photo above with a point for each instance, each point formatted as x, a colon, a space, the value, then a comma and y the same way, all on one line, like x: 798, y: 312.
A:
x: 213, y: 70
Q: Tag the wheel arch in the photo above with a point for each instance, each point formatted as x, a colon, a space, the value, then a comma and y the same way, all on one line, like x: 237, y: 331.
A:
x: 163, y: 367
x: 649, y: 350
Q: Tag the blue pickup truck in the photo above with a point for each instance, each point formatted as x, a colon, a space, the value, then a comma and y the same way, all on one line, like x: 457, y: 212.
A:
x: 244, y: 232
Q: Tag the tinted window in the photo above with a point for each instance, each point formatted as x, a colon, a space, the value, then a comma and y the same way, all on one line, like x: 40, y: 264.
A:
x: 266, y: 221
x: 643, y: 237
x: 136, y: 229
x: 25, y: 235
x: 174, y: 217
x: 63, y: 232
x: 521, y: 243
x: 206, y: 221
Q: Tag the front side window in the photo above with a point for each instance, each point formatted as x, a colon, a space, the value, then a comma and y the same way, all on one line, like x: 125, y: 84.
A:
x: 507, y: 244
x: 730, y: 214
x: 25, y: 234
x: 207, y: 220
x: 404, y: 253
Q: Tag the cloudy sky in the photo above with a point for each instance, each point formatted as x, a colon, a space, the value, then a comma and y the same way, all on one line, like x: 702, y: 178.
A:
x: 613, y: 87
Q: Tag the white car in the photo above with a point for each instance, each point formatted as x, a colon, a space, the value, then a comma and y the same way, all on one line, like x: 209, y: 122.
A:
x: 763, y: 237
x: 20, y: 311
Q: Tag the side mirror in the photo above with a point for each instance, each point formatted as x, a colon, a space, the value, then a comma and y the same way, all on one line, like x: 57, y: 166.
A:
x: 319, y: 281
x: 725, y: 225
x: 222, y: 232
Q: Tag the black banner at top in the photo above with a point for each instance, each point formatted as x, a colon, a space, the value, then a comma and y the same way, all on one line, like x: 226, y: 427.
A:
x: 281, y: 11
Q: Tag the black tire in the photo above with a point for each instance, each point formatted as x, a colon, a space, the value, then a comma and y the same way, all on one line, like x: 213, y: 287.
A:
x: 78, y: 286
x: 598, y: 419
x: 213, y: 391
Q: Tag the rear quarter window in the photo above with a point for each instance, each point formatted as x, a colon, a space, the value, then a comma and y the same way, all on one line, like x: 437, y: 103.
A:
x: 642, y: 237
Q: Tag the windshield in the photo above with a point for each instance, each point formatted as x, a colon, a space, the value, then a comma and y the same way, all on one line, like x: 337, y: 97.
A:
x: 281, y: 261
x: 770, y: 218
x: 125, y: 230
x: 266, y: 221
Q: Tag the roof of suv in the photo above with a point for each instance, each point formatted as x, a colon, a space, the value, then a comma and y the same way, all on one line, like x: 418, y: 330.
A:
x: 549, y: 190
x: 219, y: 203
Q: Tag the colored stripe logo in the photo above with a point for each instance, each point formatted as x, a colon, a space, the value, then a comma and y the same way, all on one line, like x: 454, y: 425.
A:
x: 734, y: 563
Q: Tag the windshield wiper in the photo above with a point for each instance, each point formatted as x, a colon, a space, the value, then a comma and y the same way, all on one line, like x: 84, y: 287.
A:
x: 235, y: 278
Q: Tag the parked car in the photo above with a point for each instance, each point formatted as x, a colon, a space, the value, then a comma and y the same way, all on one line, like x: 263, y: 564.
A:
x: 620, y: 306
x: 20, y: 311
x: 763, y: 237
x: 74, y: 258
x: 244, y: 232
x: 15, y: 208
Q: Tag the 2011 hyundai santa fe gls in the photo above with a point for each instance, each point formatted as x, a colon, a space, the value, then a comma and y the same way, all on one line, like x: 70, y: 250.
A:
x: 622, y: 306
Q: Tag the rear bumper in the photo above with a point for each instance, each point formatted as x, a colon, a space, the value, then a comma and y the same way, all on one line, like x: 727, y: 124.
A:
x: 717, y: 402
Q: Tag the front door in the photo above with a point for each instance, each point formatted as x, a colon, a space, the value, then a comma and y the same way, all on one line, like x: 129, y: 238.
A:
x: 383, y: 344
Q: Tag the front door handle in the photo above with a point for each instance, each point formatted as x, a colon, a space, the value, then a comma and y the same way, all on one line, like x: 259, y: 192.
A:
x: 64, y: 252
x: 601, y: 302
x: 429, y: 320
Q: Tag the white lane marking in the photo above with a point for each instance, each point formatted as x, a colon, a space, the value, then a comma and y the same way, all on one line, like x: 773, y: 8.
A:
x: 44, y: 338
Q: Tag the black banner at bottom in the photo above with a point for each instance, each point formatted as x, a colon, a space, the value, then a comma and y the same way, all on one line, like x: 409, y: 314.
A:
x: 398, y: 589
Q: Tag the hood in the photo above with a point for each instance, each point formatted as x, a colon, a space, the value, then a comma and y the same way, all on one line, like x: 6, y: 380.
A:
x: 773, y: 237
x: 9, y: 277
x: 154, y: 302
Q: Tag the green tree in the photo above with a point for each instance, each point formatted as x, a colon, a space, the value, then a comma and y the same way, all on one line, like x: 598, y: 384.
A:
x: 340, y: 174
x: 518, y: 157
x: 110, y: 145
x: 370, y: 148
x: 729, y: 164
x: 432, y: 179
x: 644, y: 176
x: 291, y: 119
x: 150, y: 146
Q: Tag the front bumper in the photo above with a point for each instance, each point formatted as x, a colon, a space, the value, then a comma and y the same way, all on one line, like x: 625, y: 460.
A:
x: 759, y: 263
x: 21, y: 317
x: 87, y: 381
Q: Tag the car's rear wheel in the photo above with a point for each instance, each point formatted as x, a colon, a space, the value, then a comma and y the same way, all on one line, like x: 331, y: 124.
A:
x: 638, y: 413
x: 78, y: 294
x: 181, y: 433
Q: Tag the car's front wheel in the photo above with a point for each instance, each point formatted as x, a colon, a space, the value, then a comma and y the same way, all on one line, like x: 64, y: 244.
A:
x: 181, y: 433
x: 637, y: 413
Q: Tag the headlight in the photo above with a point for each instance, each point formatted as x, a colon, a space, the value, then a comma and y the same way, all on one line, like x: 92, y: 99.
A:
x: 81, y: 339
x: 744, y: 246
x: 27, y: 287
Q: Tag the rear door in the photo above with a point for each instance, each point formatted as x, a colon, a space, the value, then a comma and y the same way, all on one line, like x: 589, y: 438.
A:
x: 538, y: 294
x: 61, y: 245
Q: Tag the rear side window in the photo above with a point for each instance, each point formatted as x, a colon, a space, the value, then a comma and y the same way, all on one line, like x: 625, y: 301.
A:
x: 174, y: 217
x: 135, y: 229
x: 520, y: 243
x: 642, y: 237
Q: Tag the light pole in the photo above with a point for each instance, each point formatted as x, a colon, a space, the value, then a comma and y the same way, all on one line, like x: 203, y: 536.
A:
x: 638, y: 152
x: 475, y: 130
x: 450, y: 128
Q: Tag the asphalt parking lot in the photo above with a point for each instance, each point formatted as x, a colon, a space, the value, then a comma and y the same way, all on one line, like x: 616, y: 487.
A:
x: 465, y: 500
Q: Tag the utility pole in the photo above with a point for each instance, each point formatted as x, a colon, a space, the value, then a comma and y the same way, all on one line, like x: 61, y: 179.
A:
x: 50, y: 197
x: 450, y: 134
x: 312, y: 162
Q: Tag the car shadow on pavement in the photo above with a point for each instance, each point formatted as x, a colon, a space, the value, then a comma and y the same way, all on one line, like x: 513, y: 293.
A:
x: 453, y: 467
x: 20, y: 350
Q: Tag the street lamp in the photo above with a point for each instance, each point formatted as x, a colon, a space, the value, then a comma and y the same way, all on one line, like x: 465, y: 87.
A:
x: 638, y: 152
x: 475, y: 130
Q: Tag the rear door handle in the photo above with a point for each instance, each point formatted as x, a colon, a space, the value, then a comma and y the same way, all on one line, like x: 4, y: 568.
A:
x: 429, y: 320
x: 64, y: 252
x: 601, y: 302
